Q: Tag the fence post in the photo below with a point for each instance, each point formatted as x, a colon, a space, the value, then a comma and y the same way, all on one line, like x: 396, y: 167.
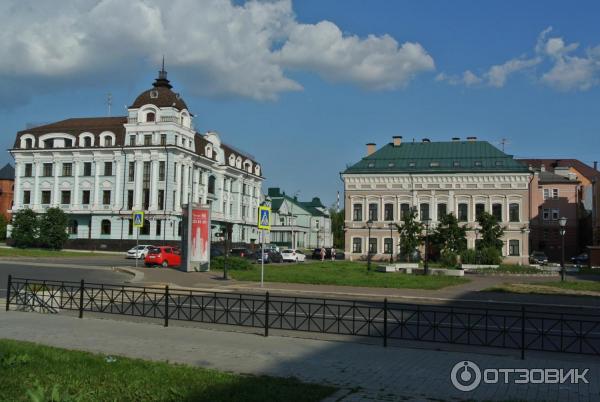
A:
x: 166, y: 305
x: 267, y: 314
x: 522, y: 332
x: 81, y: 288
x: 8, y: 291
x: 385, y: 332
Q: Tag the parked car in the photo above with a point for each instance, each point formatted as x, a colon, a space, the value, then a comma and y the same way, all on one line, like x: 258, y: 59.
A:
x: 581, y: 259
x: 138, y: 251
x: 165, y: 256
x: 538, y: 257
x: 316, y: 254
x: 271, y: 247
x: 292, y: 255
x: 242, y: 253
x: 269, y: 256
x: 216, y: 252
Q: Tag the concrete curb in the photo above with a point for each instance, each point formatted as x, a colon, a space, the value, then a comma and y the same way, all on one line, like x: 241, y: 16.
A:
x: 137, y: 275
x: 53, y: 265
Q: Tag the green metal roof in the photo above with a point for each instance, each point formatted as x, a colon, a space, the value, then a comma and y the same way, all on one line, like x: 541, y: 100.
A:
x: 438, y: 157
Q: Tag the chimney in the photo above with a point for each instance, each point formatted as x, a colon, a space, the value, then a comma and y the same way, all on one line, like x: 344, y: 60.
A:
x: 455, y: 139
x: 471, y: 139
x: 542, y: 168
x: 426, y: 140
x: 370, y: 148
x: 595, y: 165
x: 397, y: 140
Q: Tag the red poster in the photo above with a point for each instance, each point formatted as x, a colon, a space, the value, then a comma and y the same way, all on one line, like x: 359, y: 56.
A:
x: 200, y: 237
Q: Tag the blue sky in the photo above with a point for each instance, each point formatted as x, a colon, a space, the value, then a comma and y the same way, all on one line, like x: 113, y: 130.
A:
x: 280, y: 82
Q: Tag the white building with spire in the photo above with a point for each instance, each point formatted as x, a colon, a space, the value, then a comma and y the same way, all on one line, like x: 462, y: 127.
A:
x: 101, y: 169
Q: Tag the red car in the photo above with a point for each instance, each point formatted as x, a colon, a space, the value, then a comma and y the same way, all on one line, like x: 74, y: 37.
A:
x: 166, y: 256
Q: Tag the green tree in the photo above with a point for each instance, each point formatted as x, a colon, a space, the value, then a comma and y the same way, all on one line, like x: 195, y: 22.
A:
x: 3, y: 223
x: 337, y: 228
x: 25, y: 228
x: 53, y: 229
x: 449, y: 236
x: 410, y: 234
x: 491, y: 232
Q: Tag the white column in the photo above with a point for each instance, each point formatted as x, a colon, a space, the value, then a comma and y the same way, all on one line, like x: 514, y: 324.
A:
x: 178, y: 187
x: 75, y: 193
x: 154, y: 185
x: 55, y: 195
x: 185, y: 187
x: 118, y: 200
x: 204, y: 187
x: 451, y: 203
x: 506, y: 216
x: 241, y: 196
x: 138, y: 184
x: 195, y: 184
x: 36, y: 185
x: 17, y: 185
x: 96, y: 183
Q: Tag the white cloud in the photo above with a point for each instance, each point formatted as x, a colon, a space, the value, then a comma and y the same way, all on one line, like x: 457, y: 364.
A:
x: 468, y: 78
x: 497, y: 75
x: 217, y: 47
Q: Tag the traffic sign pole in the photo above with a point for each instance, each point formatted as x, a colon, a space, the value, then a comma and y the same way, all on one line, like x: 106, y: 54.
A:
x: 262, y: 258
x: 137, y: 246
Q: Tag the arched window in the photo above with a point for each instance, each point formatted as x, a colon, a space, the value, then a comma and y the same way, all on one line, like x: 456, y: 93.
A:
x: 145, y: 230
x: 72, y: 228
x: 211, y: 184
x: 108, y: 141
x: 105, y: 227
x: 150, y: 116
x: 87, y: 142
x: 29, y: 143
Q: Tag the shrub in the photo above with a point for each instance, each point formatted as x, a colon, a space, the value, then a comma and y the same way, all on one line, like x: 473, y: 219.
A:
x: 449, y: 259
x: 25, y: 228
x: 233, y: 263
x: 3, y: 223
x: 53, y: 229
x: 483, y: 256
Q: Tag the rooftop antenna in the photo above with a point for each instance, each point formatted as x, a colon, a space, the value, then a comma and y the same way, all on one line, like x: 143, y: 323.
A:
x: 503, y: 142
x: 109, y: 102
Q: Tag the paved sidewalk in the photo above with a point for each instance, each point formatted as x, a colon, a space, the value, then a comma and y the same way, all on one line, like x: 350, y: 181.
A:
x: 469, y: 292
x: 363, y: 372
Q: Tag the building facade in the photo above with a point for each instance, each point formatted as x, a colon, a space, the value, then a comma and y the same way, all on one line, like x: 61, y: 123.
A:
x: 299, y: 224
x: 553, y: 197
x: 460, y: 177
x: 99, y: 170
x: 7, y: 186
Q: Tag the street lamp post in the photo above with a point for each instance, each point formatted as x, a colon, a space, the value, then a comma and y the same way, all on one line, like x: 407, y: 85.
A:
x: 562, y: 222
x: 426, y: 264
x: 392, y: 241
x: 369, y: 224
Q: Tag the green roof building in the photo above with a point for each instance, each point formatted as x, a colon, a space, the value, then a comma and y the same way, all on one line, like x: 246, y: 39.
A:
x: 463, y: 177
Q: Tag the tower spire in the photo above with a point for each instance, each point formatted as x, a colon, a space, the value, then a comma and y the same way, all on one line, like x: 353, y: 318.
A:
x: 162, y: 80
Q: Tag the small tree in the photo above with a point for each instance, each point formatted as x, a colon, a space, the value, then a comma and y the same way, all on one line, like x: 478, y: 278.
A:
x: 410, y: 234
x: 491, y: 232
x: 449, y: 236
x: 3, y: 223
x: 337, y: 228
x: 53, y: 229
x: 24, y: 228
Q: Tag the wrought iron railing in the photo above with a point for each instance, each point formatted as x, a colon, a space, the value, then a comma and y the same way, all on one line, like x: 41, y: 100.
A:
x: 524, y: 328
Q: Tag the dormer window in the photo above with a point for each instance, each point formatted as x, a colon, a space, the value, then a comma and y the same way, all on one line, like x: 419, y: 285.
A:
x: 108, y: 141
x: 153, y: 94
x: 412, y: 164
x: 499, y: 163
x: 477, y: 164
x: 391, y: 164
x: 49, y: 143
x: 87, y: 142
x: 29, y: 143
x: 434, y: 164
x: 456, y: 164
x: 68, y: 143
x: 371, y: 164
x: 150, y: 117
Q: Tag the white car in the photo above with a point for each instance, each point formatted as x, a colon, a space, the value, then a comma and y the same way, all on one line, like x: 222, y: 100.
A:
x: 138, y: 252
x: 292, y: 255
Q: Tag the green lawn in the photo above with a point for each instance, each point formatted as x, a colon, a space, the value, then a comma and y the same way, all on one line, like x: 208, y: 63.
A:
x: 344, y: 273
x: 27, y: 370
x: 570, y: 288
x: 43, y: 253
x: 510, y: 269
x: 587, y: 286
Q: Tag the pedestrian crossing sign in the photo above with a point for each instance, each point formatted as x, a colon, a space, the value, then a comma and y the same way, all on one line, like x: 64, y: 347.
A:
x: 264, y: 218
x: 138, y: 219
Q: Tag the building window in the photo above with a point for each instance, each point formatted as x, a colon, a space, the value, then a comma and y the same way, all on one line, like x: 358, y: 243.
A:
x: 146, y: 199
x: 87, y: 142
x: 555, y: 193
x: 28, y: 170
x: 29, y: 143
x: 145, y: 230
x: 161, y: 199
x: 497, y: 212
x: 357, y: 212
x: 555, y: 214
x: 479, y: 209
x: 132, y: 140
x: 387, y: 245
x: 67, y: 169
x: 72, y: 227
x: 442, y: 210
x: 463, y: 212
x: 68, y: 143
x: 161, y: 170
x: 456, y: 163
x: 130, y: 199
x: 180, y: 229
x: 513, y: 247
x: 357, y: 245
x: 108, y: 141
x: 477, y: 164
x: 146, y: 173
x: 49, y: 143
x: 130, y: 227
x: 424, y: 211
x: 373, y: 215
x: 158, y: 227
x: 65, y: 197
x: 131, y: 171
x: 105, y: 227
x: 372, y: 245
x: 546, y: 214
x: 85, y: 197
x: 211, y: 184
x: 26, y: 197
x: 404, y: 210
x: 108, y: 168
x: 163, y: 139
x: 47, y: 169
x: 148, y: 139
x: 150, y: 117
x: 434, y: 164
x: 388, y: 212
x: 46, y: 197
x: 87, y: 168
x: 513, y: 212
x: 106, y: 197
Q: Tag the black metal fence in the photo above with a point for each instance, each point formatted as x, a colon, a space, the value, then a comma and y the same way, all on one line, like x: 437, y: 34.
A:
x: 525, y: 328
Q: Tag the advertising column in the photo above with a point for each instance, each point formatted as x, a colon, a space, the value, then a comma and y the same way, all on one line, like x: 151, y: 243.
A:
x: 196, y: 238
